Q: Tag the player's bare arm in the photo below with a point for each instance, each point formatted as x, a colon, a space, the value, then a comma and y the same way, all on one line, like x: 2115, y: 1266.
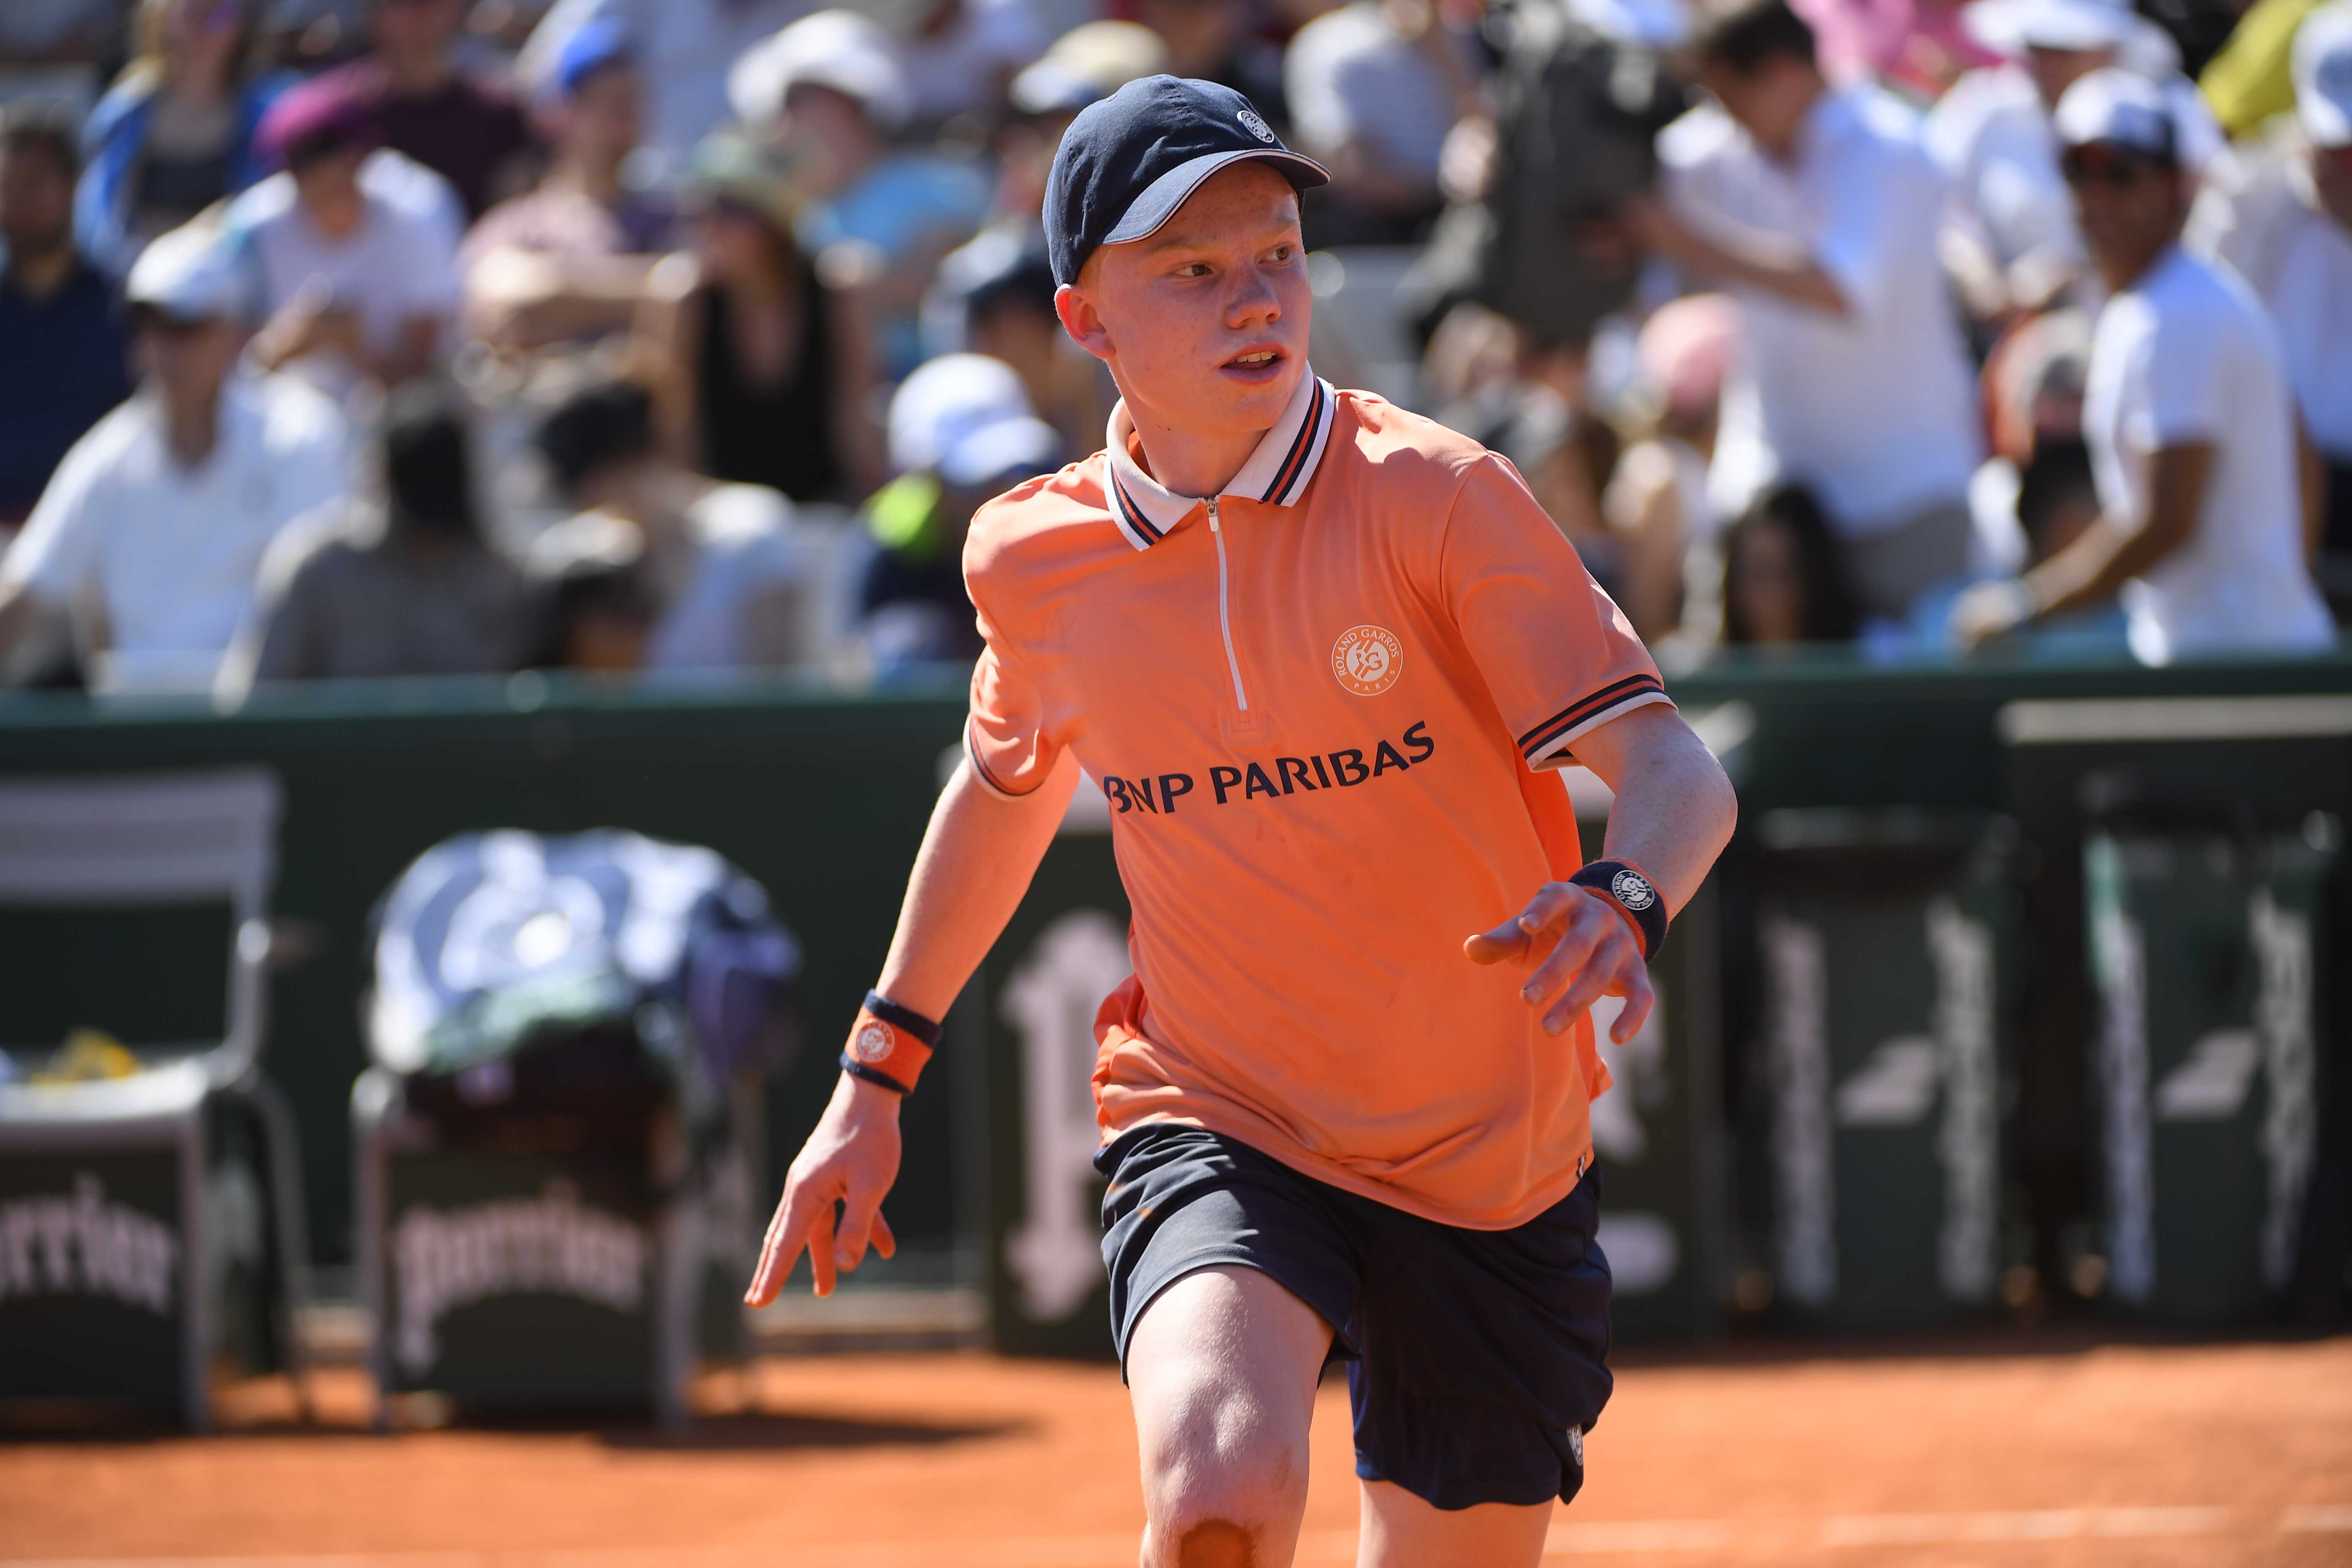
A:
x: 1674, y: 813
x: 977, y: 858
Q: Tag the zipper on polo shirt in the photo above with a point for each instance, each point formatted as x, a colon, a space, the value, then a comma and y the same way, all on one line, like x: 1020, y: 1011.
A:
x: 1224, y: 609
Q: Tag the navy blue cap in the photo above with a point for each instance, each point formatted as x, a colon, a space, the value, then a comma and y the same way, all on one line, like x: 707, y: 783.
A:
x: 1128, y: 161
x: 593, y: 46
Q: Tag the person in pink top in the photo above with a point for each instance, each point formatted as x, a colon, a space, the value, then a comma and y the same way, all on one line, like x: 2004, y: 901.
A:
x: 1914, y: 47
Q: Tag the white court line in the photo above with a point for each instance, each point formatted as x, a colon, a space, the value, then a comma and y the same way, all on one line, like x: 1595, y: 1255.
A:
x: 1638, y: 1535
x: 2314, y: 1517
x: 1657, y: 1537
x: 2033, y: 1524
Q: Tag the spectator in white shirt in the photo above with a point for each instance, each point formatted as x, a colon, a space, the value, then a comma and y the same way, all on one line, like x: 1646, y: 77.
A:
x: 1815, y: 207
x: 2010, y: 234
x: 148, y: 541
x: 2282, y: 216
x: 2187, y: 412
x: 359, y: 287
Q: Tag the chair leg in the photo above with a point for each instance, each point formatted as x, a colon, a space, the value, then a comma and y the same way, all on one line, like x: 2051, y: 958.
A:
x: 293, y: 1246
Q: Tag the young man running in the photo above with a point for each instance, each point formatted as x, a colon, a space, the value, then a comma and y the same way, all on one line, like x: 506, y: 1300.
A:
x: 1320, y: 654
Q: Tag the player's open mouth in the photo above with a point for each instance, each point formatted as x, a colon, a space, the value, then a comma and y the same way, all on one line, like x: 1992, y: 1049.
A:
x: 1254, y: 365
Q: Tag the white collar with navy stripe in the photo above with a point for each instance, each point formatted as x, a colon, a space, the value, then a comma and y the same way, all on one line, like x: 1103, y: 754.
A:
x: 1276, y: 473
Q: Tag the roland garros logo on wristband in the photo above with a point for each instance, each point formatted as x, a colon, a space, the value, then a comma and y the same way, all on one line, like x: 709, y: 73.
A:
x: 1633, y: 890
x: 873, y: 1042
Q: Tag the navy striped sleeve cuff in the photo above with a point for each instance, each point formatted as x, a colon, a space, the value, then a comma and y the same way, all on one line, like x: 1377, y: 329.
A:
x: 1553, y: 733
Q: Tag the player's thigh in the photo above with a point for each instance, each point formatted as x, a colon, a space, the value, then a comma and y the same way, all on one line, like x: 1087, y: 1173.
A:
x: 1221, y: 1368
x: 1399, y: 1531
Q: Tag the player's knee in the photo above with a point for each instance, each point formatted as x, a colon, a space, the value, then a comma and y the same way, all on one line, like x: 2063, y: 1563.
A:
x: 1219, y: 1480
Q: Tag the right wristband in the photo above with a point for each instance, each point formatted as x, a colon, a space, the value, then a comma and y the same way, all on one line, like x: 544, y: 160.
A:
x: 888, y: 1044
x: 1629, y: 889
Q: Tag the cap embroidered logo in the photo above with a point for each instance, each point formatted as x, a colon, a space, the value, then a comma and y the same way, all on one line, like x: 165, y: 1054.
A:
x: 1632, y: 891
x: 1256, y: 126
x: 873, y: 1042
x: 1367, y: 659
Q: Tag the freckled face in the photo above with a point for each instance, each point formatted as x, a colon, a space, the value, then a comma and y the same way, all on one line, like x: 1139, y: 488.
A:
x: 1203, y: 323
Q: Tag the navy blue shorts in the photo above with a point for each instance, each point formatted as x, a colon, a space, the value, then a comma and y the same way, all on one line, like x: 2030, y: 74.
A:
x: 1476, y: 1359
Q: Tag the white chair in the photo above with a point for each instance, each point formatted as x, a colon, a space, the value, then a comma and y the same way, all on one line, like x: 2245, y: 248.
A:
x: 122, y: 841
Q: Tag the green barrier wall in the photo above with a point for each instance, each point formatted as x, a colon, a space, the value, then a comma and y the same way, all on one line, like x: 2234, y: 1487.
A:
x: 823, y: 798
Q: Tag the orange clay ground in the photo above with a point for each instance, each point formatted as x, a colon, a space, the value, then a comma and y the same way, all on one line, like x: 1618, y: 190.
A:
x: 2009, y: 1454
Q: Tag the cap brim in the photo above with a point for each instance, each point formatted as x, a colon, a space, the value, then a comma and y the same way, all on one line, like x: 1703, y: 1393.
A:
x: 1022, y: 445
x: 2010, y: 25
x: 1161, y: 198
x: 2324, y: 120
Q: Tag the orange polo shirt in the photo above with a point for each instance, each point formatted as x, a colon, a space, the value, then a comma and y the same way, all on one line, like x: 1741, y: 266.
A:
x: 1323, y: 706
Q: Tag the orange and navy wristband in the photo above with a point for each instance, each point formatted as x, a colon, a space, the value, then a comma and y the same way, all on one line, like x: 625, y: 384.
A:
x: 1637, y: 897
x: 888, y: 1045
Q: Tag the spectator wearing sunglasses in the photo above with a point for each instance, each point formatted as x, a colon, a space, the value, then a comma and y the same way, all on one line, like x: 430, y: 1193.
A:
x: 2204, y: 527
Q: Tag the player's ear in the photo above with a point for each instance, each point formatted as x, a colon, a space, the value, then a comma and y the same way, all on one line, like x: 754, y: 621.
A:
x: 1076, y: 307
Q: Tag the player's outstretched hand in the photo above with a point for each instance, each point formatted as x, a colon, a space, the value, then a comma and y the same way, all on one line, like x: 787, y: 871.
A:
x: 1581, y: 948
x: 850, y: 1160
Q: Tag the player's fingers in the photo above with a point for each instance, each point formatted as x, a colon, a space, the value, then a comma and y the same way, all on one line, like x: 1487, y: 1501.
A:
x: 1506, y: 940
x: 1612, y: 955
x: 1638, y: 999
x: 1571, y: 952
x: 782, y: 1247
x: 1517, y: 937
x: 859, y: 1210
x: 884, y: 1242
x: 820, y: 1246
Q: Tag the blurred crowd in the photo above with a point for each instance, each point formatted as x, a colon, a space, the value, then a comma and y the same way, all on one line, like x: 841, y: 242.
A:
x: 410, y: 336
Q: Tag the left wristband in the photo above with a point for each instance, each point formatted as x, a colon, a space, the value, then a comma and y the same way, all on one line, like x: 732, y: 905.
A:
x: 888, y: 1045
x: 1628, y: 887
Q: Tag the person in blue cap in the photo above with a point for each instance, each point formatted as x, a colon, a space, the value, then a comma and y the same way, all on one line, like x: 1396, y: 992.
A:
x: 1322, y: 656
x: 567, y: 261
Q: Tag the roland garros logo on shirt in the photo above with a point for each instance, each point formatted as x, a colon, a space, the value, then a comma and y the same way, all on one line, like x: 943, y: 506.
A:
x: 1367, y: 660
x: 873, y: 1042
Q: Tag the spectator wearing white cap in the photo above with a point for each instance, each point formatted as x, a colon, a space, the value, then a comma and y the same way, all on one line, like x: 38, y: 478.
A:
x: 832, y: 88
x: 961, y: 432
x: 2187, y: 412
x: 148, y: 540
x: 685, y: 47
x: 1816, y: 208
x: 2010, y: 234
x: 2282, y: 216
x: 730, y: 580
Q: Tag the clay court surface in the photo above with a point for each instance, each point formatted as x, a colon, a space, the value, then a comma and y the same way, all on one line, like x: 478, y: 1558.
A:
x: 2019, y: 1453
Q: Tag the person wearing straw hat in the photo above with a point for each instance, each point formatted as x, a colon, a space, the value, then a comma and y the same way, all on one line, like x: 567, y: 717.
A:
x: 2203, y: 530
x: 2283, y: 220
x: 2009, y: 233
